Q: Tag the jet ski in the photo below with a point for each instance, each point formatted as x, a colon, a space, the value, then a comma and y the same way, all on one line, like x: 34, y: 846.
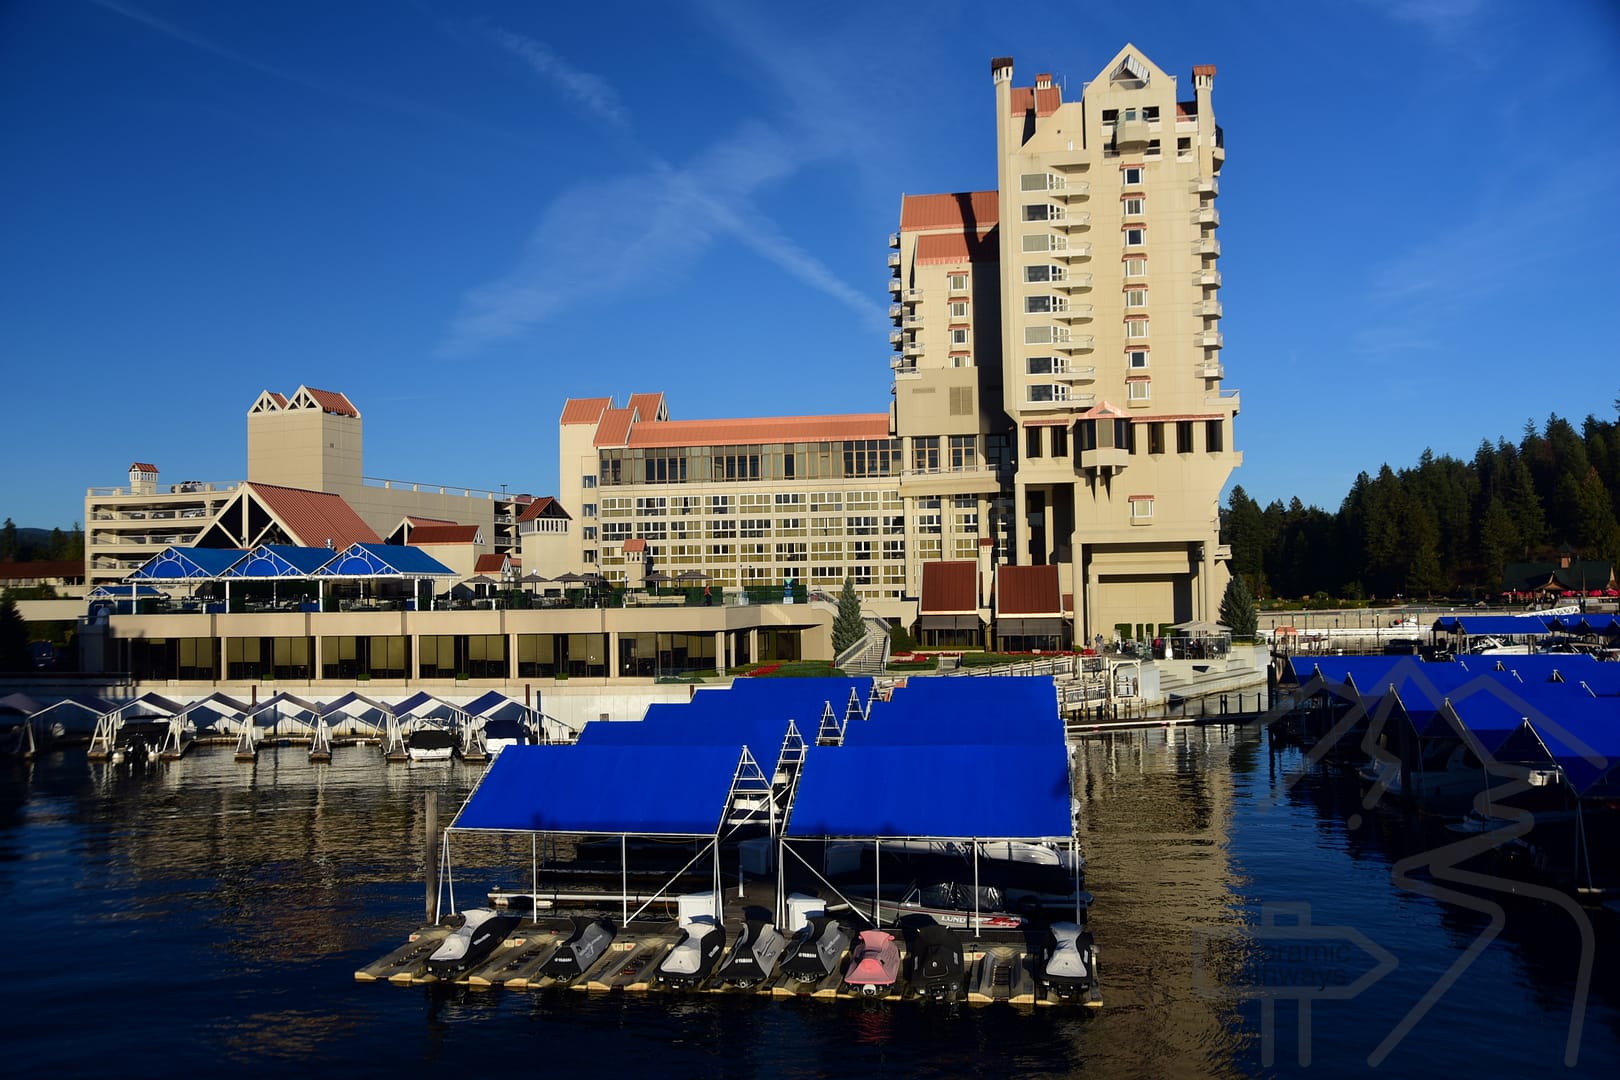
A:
x: 471, y: 942
x: 693, y: 957
x: 937, y: 969
x: 816, y: 949
x: 754, y: 956
x: 1069, y: 961
x: 874, y: 964
x: 584, y: 947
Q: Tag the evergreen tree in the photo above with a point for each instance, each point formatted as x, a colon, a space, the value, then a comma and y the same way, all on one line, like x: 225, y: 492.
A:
x: 8, y: 540
x: 1499, y: 544
x: 13, y: 637
x: 1238, y: 611
x: 848, y: 627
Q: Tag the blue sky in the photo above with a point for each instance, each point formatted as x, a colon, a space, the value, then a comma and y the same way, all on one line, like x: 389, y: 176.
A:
x: 461, y: 213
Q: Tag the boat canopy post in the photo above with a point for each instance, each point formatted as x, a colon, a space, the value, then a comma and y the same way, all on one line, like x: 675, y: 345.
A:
x: 624, y: 881
x: 877, y: 883
x: 534, y: 875
x: 977, y: 921
x: 449, y: 878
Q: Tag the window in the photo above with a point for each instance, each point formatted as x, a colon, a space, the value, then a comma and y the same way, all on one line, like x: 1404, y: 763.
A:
x: 1135, y: 236
x: 1138, y: 390
x: 1040, y: 365
x: 925, y: 453
x: 588, y: 510
x: 1184, y: 149
x: 1150, y: 113
x: 1032, y: 182
x: 1184, y: 436
x: 1153, y: 148
x: 958, y: 282
x: 587, y: 482
x: 1060, y: 442
x: 1048, y: 392
x: 1136, y: 359
x: 1131, y: 175
x: 1032, y: 441
x: 1156, y: 437
x: 964, y: 452
x: 1038, y: 335
x: 1136, y: 328
x: 1110, y: 116
x: 1085, y: 435
x: 959, y: 336
x: 1135, y: 206
x: 1037, y: 273
x: 1037, y: 305
x: 959, y: 309
x: 1136, y: 266
x: 1038, y: 242
x: 961, y: 361
x: 1141, y: 508
x: 1038, y: 212
x: 1135, y: 298
x: 1214, y: 436
x: 588, y: 532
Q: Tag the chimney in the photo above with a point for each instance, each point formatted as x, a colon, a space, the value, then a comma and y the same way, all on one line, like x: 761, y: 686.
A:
x: 1001, y: 69
x: 1043, y: 81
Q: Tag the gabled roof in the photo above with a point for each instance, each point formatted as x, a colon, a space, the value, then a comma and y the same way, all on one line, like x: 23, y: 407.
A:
x: 313, y: 517
x: 543, y: 507
x: 614, y: 430
x: 494, y: 563
x: 328, y: 401
x: 649, y: 406
x: 187, y: 564
x: 278, y: 561
x: 760, y: 429
x: 585, y: 410
x: 950, y: 588
x: 141, y: 466
x: 413, y: 521
x: 444, y: 534
x: 950, y: 211
x: 1044, y: 101
x: 635, y: 543
x: 384, y: 560
x: 1028, y: 590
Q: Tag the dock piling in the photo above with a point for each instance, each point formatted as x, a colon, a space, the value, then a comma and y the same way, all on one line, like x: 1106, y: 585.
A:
x: 430, y: 874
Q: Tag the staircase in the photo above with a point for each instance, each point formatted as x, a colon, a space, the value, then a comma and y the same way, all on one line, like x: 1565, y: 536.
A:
x: 870, y: 655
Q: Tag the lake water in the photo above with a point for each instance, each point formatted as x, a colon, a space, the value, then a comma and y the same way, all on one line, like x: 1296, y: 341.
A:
x: 207, y: 916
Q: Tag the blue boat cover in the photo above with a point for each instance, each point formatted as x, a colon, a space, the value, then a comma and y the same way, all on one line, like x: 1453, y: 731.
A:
x: 994, y: 792
x: 1496, y: 625
x: 187, y: 564
x: 646, y: 790
x: 969, y: 710
x: 1580, y: 733
x: 1491, y: 718
x: 720, y: 720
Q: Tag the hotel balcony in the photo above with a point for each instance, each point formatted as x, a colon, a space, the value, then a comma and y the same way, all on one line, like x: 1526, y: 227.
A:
x: 894, y: 286
x: 1071, y: 189
x: 1207, y: 246
x: 1070, y: 252
x: 1210, y: 309
x: 1071, y: 282
x: 911, y: 296
x: 1075, y: 343
x: 1209, y: 339
x: 1206, y: 215
x: 902, y: 366
x: 1208, y: 278
x: 1209, y: 367
x: 894, y: 240
x: 897, y: 337
x: 896, y: 312
x: 913, y: 320
x: 1073, y: 312
x: 1131, y: 133
x: 1079, y: 219
x: 1104, y: 459
x: 913, y: 348
x: 1073, y: 401
x: 1223, y: 398
x: 1205, y: 185
x: 1076, y: 375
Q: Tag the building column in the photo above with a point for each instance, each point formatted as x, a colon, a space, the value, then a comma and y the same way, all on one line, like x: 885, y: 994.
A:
x: 315, y: 669
x: 720, y: 650
x: 1206, y: 581
x: 1020, y: 552
x: 1047, y: 526
x: 613, y: 654
x: 511, y: 656
x: 753, y: 645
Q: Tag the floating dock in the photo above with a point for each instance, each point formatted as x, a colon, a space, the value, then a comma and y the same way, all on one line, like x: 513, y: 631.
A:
x: 995, y: 973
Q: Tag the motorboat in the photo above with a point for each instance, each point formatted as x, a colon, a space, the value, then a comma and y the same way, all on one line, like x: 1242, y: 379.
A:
x: 937, y: 967
x: 753, y: 957
x: 874, y: 964
x: 574, y: 957
x: 951, y: 903
x: 470, y: 943
x: 816, y: 949
x: 1069, y: 961
x: 501, y: 733
x: 138, y: 742
x: 430, y: 744
x: 701, y: 942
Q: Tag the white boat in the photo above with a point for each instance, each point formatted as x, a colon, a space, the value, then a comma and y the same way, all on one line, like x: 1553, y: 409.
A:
x: 430, y: 744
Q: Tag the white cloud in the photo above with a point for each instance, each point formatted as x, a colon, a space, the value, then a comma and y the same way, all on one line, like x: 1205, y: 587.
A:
x: 591, y: 91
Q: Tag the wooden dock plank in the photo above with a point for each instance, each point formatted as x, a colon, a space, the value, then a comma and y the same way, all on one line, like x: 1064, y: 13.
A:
x: 406, y: 959
x: 630, y: 964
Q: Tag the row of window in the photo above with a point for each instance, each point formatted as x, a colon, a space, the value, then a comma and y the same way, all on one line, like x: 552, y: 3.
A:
x: 1090, y: 434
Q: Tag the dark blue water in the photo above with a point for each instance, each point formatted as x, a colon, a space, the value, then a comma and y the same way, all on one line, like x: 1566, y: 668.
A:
x: 207, y: 916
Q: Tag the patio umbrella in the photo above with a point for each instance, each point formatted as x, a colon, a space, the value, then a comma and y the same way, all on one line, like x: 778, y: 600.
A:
x: 569, y: 578
x: 691, y: 575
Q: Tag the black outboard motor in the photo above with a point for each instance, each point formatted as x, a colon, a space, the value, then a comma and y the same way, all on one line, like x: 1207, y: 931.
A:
x: 937, y: 967
x: 584, y: 947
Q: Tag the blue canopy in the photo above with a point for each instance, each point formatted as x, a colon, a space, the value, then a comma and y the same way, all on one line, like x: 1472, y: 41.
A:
x: 131, y: 591
x: 423, y: 704
x: 676, y: 725
x: 989, y: 792
x: 278, y: 561
x: 1581, y: 733
x: 187, y: 564
x: 1003, y: 709
x: 646, y: 790
x: 1490, y: 718
x: 383, y: 560
x: 1496, y: 625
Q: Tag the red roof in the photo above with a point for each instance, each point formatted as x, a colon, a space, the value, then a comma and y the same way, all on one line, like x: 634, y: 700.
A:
x: 585, y: 410
x: 1204, y: 69
x: 635, y: 543
x: 647, y: 406
x: 544, y: 507
x: 415, y: 521
x: 314, y: 517
x: 955, y: 248
x: 141, y: 466
x: 333, y: 402
x: 614, y: 430
x: 1045, y: 102
x: 444, y: 534
x: 279, y: 399
x: 492, y: 563
x: 918, y: 212
x: 760, y: 429
x: 1028, y: 590
x: 42, y: 568
x: 949, y: 588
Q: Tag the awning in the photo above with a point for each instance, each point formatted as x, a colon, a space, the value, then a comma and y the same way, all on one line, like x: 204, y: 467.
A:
x: 1046, y: 627
x: 949, y: 622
